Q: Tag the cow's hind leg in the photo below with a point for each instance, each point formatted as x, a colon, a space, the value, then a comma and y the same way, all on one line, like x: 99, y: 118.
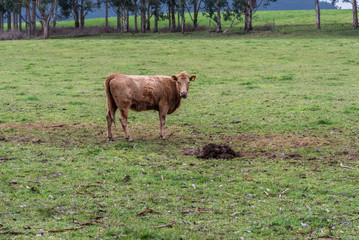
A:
x: 110, y: 116
x: 123, y: 120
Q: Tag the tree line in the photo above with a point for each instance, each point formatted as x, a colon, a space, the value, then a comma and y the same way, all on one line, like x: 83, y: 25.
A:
x: 48, y: 11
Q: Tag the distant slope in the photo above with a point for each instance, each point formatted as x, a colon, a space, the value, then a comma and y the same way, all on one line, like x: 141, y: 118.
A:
x: 296, y: 5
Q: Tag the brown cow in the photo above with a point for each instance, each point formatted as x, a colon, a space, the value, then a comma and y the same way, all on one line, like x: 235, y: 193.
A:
x: 139, y: 93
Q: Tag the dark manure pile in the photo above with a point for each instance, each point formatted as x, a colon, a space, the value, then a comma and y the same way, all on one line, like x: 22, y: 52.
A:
x: 213, y: 150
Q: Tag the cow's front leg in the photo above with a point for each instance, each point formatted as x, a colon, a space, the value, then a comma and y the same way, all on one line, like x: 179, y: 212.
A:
x: 162, y: 117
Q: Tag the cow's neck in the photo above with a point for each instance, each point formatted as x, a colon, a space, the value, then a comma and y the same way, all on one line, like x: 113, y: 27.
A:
x: 176, y: 99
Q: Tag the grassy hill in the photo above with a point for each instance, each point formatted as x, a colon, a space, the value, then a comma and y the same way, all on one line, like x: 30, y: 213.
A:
x: 296, y: 5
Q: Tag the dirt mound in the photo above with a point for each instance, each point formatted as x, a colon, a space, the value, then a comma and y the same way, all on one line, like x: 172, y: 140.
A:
x: 212, y: 150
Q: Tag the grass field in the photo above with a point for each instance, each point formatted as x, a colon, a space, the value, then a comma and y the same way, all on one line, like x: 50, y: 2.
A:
x: 295, y: 95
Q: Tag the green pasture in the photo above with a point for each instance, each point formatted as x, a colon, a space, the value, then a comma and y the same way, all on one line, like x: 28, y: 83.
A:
x: 288, y: 104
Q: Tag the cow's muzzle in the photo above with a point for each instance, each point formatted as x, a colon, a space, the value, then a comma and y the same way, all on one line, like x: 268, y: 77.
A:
x: 183, y: 95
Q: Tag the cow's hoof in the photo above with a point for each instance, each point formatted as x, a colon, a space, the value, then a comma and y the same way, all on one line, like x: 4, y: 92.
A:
x: 109, y: 139
x: 129, y: 139
x: 162, y: 138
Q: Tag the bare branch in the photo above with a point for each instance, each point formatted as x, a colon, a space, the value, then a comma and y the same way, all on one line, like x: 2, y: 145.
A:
x: 280, y: 195
x: 347, y: 167
x: 166, y: 225
x: 230, y: 26
x: 264, y: 191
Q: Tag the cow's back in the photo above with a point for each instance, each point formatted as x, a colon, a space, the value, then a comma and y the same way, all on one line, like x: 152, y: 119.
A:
x: 141, y: 92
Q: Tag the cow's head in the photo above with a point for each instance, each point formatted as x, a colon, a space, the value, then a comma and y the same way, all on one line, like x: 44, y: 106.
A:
x: 182, y: 82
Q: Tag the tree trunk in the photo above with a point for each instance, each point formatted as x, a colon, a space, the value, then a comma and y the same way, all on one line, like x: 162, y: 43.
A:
x: 183, y: 23
x: 82, y: 15
x: 178, y: 19
x: 14, y: 20
x: 119, y: 19
x: 28, y: 20
x: 20, y: 20
x: 55, y: 15
x: 127, y: 22
x: 173, y: 15
x: 169, y: 15
x: 317, y: 11
x: 33, y: 18
x: 156, y: 22
x: 75, y: 10
x: 8, y: 21
x: 148, y: 16
x: 45, y: 25
x: 135, y: 16
x: 219, y: 23
x: 106, y: 13
x: 143, y: 16
x: 355, y: 14
x: 195, y: 14
x: 248, y: 16
x: 1, y: 21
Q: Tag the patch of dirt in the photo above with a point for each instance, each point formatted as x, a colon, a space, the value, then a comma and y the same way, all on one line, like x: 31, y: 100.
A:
x: 275, y: 141
x: 5, y: 159
x: 62, y: 134
x: 350, y: 155
x: 253, y: 146
x: 213, y: 150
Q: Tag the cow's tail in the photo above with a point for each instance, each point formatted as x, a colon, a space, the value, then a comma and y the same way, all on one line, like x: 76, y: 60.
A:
x: 111, y: 105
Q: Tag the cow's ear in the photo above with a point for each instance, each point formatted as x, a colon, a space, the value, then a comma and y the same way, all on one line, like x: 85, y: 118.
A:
x: 192, y: 78
x: 174, y: 77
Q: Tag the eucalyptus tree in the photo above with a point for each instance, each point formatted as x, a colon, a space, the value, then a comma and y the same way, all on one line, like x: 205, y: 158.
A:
x: 46, y: 9
x: 355, y: 13
x: 33, y: 18
x: 87, y: 6
x: 2, y: 11
x: 16, y: 14
x: 27, y: 5
x: 156, y: 6
x: 182, y: 8
x: 70, y: 7
x: 78, y: 9
x: 8, y: 6
x: 196, y: 5
x: 250, y: 7
x: 354, y: 8
x: 106, y: 12
x: 213, y: 9
x: 172, y: 14
x: 122, y: 8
